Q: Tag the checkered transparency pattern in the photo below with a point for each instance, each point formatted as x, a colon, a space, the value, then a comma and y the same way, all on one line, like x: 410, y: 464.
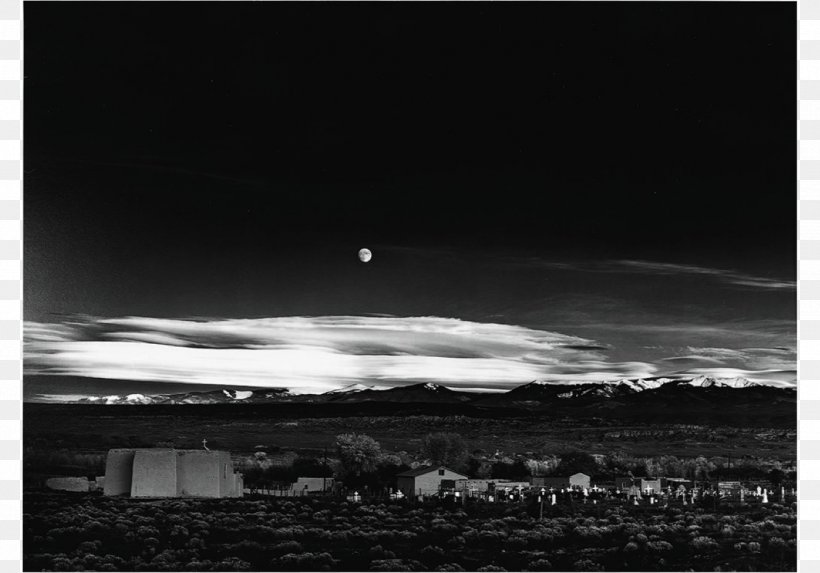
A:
x: 11, y: 170
x: 808, y: 447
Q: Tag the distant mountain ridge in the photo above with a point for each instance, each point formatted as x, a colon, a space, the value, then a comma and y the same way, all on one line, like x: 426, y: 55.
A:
x: 533, y: 394
x: 225, y: 396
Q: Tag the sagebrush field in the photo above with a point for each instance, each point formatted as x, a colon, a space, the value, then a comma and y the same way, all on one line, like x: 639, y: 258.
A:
x: 89, y: 532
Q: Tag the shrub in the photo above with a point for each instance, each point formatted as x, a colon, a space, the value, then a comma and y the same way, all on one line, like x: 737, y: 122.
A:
x: 540, y: 565
x: 390, y: 565
x: 777, y: 543
x: 304, y: 562
x: 587, y: 565
x: 704, y: 544
x: 753, y: 547
x: 659, y: 546
x: 432, y: 554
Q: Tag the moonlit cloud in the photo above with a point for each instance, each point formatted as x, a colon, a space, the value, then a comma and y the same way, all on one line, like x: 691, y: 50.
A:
x: 316, y: 354
x: 723, y: 276
x: 766, y: 365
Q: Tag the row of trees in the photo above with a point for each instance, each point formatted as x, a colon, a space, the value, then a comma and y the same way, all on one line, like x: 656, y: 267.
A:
x: 359, y: 461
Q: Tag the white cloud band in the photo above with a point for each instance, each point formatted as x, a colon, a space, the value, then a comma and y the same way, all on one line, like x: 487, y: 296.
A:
x: 316, y: 354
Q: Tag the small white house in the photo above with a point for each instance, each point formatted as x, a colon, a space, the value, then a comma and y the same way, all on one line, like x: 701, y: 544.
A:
x: 428, y: 480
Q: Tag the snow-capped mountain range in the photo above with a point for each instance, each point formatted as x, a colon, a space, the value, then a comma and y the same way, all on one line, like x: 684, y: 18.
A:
x: 625, y: 386
x: 424, y: 392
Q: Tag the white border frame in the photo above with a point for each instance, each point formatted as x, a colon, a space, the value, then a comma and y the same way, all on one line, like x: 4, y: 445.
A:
x: 808, y: 289
x: 11, y: 107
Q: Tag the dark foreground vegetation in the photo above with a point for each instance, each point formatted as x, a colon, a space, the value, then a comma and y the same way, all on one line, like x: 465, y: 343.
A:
x: 74, y: 532
x: 238, y: 428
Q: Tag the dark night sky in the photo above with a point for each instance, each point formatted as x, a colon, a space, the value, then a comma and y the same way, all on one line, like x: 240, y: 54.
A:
x: 502, y: 160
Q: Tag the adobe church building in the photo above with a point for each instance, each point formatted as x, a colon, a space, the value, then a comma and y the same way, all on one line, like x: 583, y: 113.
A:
x: 166, y: 472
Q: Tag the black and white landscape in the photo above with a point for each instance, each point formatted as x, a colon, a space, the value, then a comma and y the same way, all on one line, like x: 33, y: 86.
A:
x: 410, y: 287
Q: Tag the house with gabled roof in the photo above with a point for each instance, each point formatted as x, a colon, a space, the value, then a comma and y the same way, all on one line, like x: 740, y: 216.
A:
x: 427, y: 480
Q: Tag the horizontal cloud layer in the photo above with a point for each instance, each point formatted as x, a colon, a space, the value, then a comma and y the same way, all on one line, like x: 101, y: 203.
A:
x: 721, y: 276
x: 317, y: 354
x: 314, y: 354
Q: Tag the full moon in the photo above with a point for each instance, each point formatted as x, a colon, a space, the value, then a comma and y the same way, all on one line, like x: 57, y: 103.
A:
x: 365, y: 255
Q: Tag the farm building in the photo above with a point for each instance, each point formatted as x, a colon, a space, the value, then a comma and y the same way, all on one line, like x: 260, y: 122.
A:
x: 675, y: 483
x: 511, y: 485
x: 476, y: 487
x: 578, y: 480
x: 652, y: 485
x: 166, y: 472
x: 729, y: 487
x: 549, y: 482
x: 428, y: 480
x: 473, y: 487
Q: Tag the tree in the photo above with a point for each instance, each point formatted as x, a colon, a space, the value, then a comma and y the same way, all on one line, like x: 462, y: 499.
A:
x: 617, y: 464
x: 311, y: 467
x: 481, y: 469
x: 445, y: 449
x: 358, y: 453
x: 776, y: 476
x: 703, y: 468
x: 574, y: 462
x: 517, y: 470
